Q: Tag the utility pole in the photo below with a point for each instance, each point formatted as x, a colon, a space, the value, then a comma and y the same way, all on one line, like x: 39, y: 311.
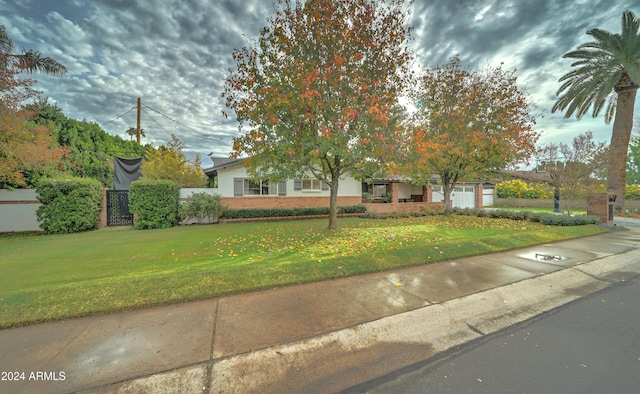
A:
x: 138, y: 128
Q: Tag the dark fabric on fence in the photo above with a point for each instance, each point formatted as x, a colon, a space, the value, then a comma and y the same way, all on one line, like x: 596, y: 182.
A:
x: 125, y: 172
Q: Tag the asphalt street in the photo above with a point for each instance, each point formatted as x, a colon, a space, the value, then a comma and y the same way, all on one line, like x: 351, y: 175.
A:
x: 591, y: 345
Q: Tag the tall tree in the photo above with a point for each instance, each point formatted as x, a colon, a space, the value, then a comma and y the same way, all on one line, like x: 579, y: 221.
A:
x: 133, y: 132
x: 575, y: 168
x: 90, y: 150
x: 169, y: 162
x: 467, y: 123
x: 607, y: 72
x: 26, y: 60
x: 317, y: 96
x: 27, y: 150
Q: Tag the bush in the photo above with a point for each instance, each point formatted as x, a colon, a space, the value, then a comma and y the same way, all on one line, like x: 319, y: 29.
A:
x: 520, y: 189
x: 542, y: 217
x: 155, y: 202
x: 254, y: 213
x: 69, y: 205
x: 200, y: 207
x: 632, y: 192
x: 352, y: 209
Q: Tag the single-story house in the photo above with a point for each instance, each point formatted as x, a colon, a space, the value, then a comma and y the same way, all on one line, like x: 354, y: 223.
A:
x: 233, y: 184
x: 230, y: 180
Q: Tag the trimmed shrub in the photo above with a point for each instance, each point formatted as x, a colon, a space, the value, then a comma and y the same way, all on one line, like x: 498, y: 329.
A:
x: 155, y: 202
x: 542, y: 217
x: 352, y: 209
x: 69, y: 205
x: 200, y: 207
x: 254, y: 213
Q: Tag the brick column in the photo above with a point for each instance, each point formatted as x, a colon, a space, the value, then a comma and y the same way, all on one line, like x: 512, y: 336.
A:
x: 103, y: 211
x: 426, y: 194
x: 394, y: 192
x: 598, y: 205
x: 479, y: 195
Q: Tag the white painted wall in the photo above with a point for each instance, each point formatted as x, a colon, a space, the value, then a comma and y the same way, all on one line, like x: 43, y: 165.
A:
x: 18, y: 217
x: 348, y: 186
x: 404, y: 190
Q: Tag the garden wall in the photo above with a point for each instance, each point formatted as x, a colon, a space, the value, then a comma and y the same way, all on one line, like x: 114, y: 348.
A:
x: 18, y: 210
x: 403, y: 207
x: 285, y: 202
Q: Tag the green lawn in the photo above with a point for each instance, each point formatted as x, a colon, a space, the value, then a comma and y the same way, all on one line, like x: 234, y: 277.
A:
x: 51, y: 277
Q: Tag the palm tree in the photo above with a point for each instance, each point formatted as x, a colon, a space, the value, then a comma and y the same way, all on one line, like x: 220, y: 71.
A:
x: 133, y: 132
x: 607, y: 72
x: 31, y: 61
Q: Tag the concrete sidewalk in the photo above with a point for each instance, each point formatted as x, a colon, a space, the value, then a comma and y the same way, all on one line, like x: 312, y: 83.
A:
x: 320, y: 337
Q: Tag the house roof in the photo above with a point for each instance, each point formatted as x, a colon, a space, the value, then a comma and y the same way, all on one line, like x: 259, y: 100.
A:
x: 221, y: 162
x: 531, y: 176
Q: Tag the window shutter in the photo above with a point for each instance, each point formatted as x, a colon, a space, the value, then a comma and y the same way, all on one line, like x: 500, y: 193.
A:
x: 282, y: 188
x: 324, y: 186
x: 297, y: 184
x: 238, y: 187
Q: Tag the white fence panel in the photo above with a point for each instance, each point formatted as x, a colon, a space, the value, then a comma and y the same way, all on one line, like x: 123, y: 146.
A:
x: 18, y: 210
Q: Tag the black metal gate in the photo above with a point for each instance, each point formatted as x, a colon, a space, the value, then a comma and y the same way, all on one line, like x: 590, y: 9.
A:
x: 118, y: 208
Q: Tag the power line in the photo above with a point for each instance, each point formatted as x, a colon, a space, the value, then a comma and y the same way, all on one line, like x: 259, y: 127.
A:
x: 156, y: 122
x: 118, y: 117
x: 182, y: 125
x: 169, y: 134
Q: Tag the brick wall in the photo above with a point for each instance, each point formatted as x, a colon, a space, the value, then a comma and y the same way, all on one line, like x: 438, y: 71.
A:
x: 402, y: 207
x: 286, y: 202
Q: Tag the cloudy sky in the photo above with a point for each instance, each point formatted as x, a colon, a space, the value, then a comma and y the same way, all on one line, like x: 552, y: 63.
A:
x: 174, y: 55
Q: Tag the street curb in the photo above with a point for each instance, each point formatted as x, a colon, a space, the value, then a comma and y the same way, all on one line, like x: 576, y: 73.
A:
x: 374, y: 349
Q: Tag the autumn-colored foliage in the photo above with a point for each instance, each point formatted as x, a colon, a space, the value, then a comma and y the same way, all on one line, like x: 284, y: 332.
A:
x: 467, y: 123
x: 169, y: 163
x: 317, y: 94
x: 27, y: 150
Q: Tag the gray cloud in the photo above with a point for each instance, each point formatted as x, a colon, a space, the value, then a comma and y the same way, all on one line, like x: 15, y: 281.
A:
x: 175, y: 54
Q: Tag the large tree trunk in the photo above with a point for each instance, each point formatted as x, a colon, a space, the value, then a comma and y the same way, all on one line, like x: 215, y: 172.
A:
x: 617, y: 162
x: 333, y: 205
x: 446, y: 191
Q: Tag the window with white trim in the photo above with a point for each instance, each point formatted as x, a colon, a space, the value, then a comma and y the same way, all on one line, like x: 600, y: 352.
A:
x: 311, y: 185
x: 260, y: 188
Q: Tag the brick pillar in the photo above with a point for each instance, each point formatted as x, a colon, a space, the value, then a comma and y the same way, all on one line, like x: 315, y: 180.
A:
x: 479, y: 195
x: 598, y: 205
x: 426, y: 194
x: 394, y: 192
x: 103, y: 211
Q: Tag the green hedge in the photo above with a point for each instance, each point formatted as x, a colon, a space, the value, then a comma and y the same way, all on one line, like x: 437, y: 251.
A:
x: 155, y: 202
x: 69, y: 205
x: 254, y: 213
x: 400, y: 215
x: 542, y: 217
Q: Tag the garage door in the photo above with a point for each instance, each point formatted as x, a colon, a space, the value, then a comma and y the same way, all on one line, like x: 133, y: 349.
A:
x: 462, y: 196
